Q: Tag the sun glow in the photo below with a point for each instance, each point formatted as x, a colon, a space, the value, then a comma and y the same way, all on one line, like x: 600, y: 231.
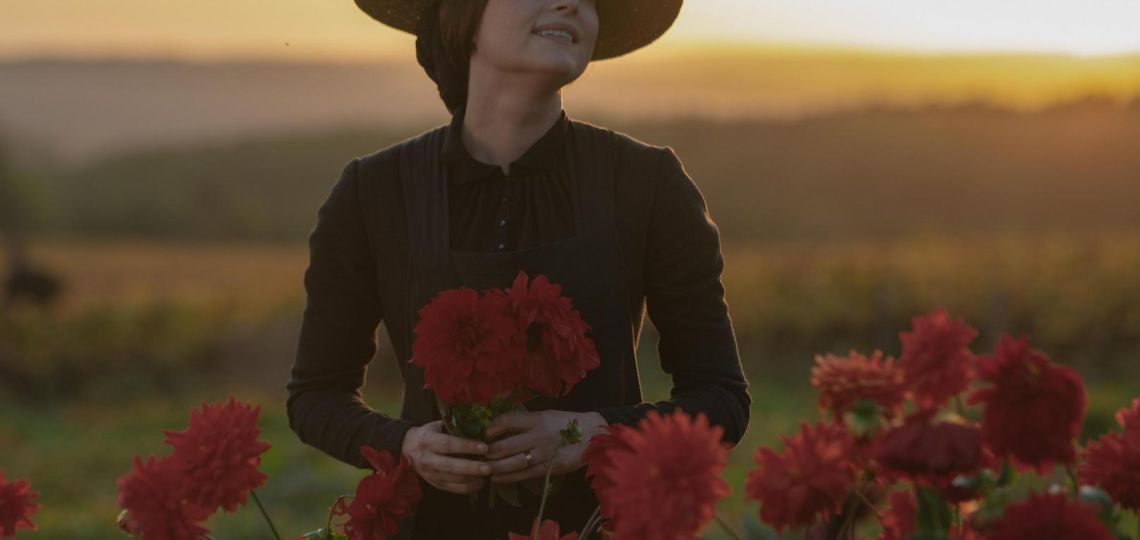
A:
x: 300, y: 29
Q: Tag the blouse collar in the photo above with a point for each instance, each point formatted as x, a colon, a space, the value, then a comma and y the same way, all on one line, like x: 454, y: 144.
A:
x: 546, y: 154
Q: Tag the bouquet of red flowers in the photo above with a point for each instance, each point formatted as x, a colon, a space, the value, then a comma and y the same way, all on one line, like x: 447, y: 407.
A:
x: 490, y: 353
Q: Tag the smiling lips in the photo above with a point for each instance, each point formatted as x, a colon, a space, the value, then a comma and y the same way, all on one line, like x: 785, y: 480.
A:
x: 558, y: 31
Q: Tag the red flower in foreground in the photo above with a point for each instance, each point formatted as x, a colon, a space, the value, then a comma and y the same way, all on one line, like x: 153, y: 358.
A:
x: 17, y: 504
x: 1113, y: 461
x: 931, y: 452
x: 1048, y: 517
x: 810, y: 478
x: 1034, y: 408
x: 383, y: 499
x: 559, y: 352
x: 219, y: 454
x: 898, y: 522
x: 841, y: 381
x: 547, y: 531
x: 154, y: 496
x: 469, y: 346
x: 661, y: 480
x: 936, y: 357
x: 1129, y: 417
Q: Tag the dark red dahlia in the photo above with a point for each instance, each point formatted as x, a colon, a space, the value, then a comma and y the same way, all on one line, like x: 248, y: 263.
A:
x: 841, y: 381
x: 930, y: 452
x: 1048, y: 517
x: 383, y: 499
x: 660, y: 480
x: 470, y: 347
x: 1033, y: 407
x: 154, y: 494
x: 558, y: 351
x: 1113, y: 461
x: 936, y: 357
x: 549, y: 530
x: 808, y: 480
x: 17, y: 504
x: 220, y: 454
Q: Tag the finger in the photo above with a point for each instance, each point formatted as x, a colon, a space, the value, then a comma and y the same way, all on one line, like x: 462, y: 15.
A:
x: 442, y: 443
x: 457, y: 487
x: 536, y: 470
x: 510, y: 445
x: 456, y: 465
x: 512, y: 463
x: 510, y: 421
x: 439, y: 476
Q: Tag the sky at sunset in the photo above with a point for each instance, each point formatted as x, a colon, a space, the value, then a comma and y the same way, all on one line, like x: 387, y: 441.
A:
x: 337, y: 30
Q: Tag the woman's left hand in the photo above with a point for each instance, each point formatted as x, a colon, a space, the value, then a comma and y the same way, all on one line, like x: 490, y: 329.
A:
x: 539, y: 432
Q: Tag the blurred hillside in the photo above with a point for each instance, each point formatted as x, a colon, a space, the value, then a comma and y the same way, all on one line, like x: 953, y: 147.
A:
x: 877, y: 173
x: 80, y: 109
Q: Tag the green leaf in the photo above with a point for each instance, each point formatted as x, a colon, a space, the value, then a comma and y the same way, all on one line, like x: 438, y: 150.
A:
x: 864, y: 418
x: 507, y: 492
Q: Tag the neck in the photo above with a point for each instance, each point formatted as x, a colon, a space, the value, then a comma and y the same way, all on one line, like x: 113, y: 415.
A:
x: 506, y: 114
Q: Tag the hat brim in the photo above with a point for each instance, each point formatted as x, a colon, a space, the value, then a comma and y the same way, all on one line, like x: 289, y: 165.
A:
x: 626, y: 25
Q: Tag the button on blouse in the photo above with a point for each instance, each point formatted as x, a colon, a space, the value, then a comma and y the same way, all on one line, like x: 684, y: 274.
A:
x: 493, y: 211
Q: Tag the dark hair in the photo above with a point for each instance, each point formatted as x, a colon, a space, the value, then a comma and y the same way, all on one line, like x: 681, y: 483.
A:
x: 458, y: 24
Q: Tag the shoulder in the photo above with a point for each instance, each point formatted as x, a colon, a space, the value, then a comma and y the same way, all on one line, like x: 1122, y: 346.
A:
x: 644, y: 167
x: 630, y: 150
x: 380, y: 165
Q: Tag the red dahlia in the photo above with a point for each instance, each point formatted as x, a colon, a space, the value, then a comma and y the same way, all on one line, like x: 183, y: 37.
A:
x: 154, y: 494
x: 547, y: 531
x: 930, y: 452
x: 469, y: 346
x: 1048, y: 517
x: 1129, y: 417
x: 1033, y: 409
x: 1113, y: 461
x: 810, y: 478
x: 660, y: 480
x: 17, y: 504
x: 841, y: 381
x: 558, y: 351
x: 383, y: 499
x: 936, y: 357
x: 219, y: 454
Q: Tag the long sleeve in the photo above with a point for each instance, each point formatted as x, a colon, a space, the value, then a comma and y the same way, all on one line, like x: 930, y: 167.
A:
x: 685, y: 300
x: 338, y: 335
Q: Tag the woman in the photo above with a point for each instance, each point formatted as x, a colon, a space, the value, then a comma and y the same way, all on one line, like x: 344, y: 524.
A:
x: 512, y: 183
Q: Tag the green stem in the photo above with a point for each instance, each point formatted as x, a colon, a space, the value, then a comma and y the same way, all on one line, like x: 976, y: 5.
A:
x: 265, y: 514
x: 960, y: 406
x: 593, y: 522
x: 870, y: 506
x: 724, y: 525
x: 847, y: 520
x: 545, y: 492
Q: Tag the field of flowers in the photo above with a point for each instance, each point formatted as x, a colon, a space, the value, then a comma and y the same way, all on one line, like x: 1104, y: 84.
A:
x: 197, y: 320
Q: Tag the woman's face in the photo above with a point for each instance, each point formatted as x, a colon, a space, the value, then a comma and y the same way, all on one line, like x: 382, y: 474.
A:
x: 509, y: 37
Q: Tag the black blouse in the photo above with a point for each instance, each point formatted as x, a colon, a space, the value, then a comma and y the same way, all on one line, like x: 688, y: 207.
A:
x: 671, y: 243
x: 492, y: 211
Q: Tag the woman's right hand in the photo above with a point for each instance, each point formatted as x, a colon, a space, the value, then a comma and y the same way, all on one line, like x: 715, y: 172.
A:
x: 428, y: 448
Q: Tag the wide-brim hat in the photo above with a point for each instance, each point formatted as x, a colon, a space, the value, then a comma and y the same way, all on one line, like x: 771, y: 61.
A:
x: 626, y: 25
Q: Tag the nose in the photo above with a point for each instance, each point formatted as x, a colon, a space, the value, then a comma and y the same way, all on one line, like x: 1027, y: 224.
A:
x: 566, y: 5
